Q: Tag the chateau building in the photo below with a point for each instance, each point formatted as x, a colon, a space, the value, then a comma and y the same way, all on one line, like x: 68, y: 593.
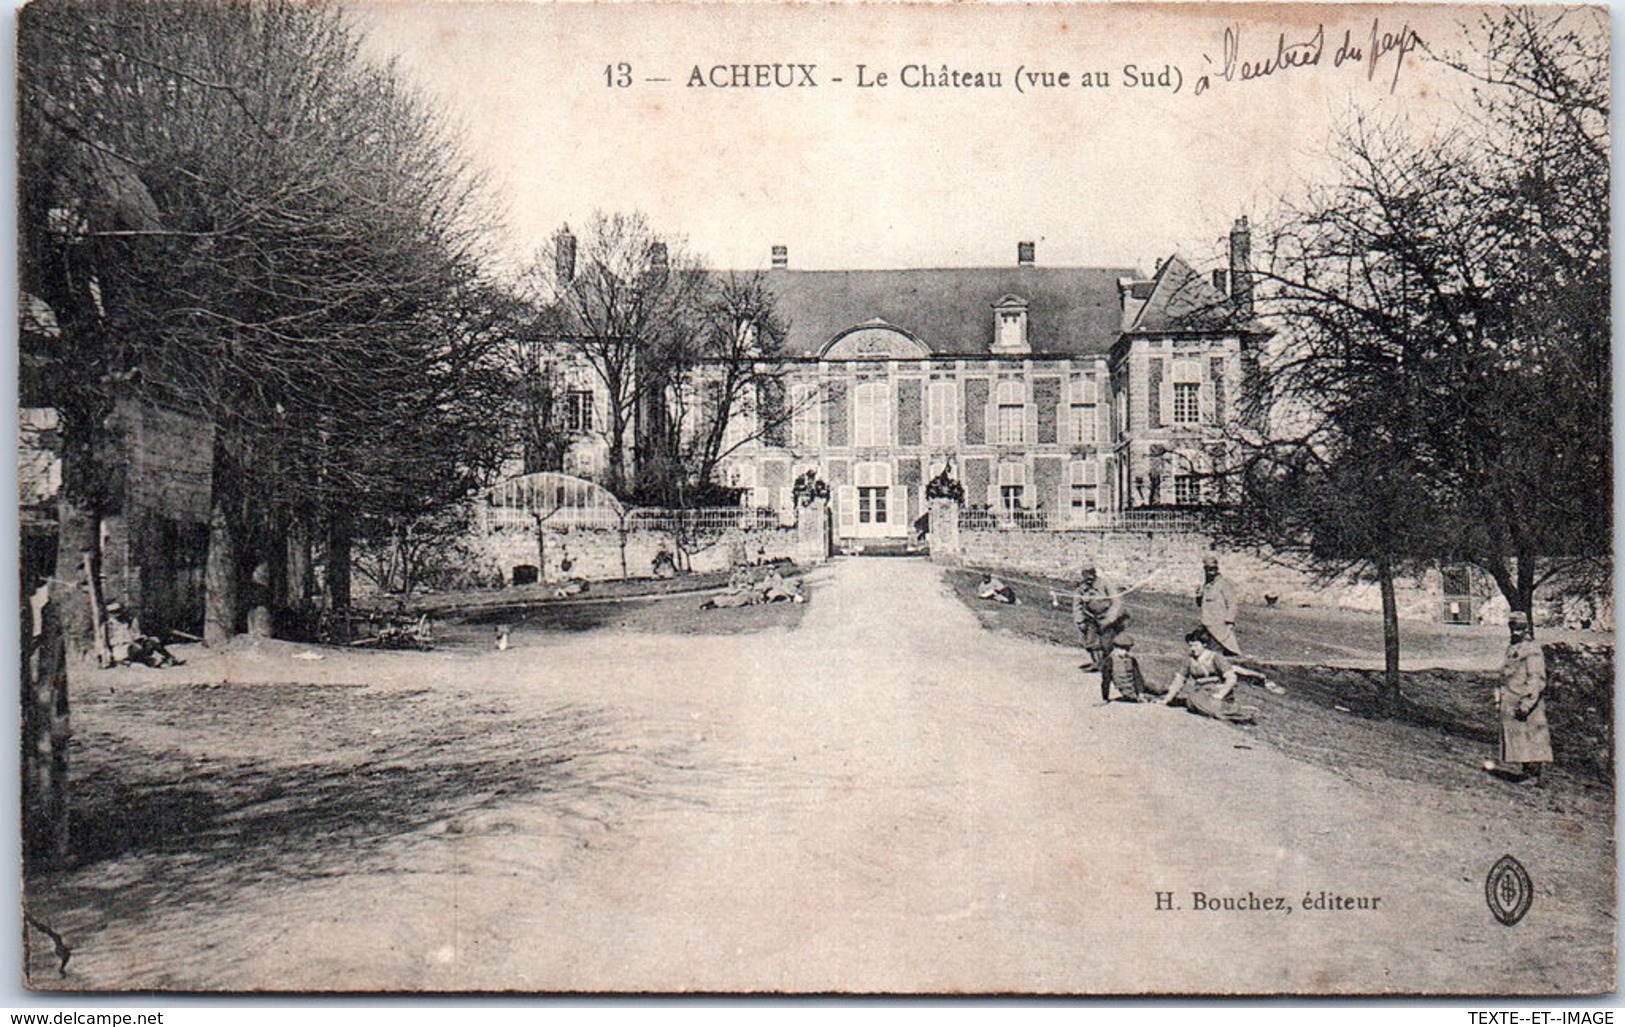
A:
x: 1059, y: 396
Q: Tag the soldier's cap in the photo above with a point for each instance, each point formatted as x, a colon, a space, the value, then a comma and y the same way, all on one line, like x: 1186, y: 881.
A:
x: 1125, y: 641
x: 1210, y: 561
x: 1518, y: 617
x: 1087, y: 568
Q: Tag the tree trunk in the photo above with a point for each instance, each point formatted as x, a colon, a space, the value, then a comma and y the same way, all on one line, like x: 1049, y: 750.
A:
x: 220, y: 577
x: 1524, y: 600
x: 338, y: 560
x: 1390, y: 630
x: 298, y: 584
x: 45, y: 734
x: 78, y: 533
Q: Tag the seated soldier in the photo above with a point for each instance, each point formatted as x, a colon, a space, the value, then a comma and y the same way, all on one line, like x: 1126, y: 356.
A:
x: 741, y: 591
x: 775, y: 589
x: 995, y: 589
x: 1206, y: 682
x: 129, y: 645
x: 1128, y: 683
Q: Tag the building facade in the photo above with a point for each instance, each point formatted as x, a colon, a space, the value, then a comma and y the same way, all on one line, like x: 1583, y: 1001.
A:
x: 1058, y: 397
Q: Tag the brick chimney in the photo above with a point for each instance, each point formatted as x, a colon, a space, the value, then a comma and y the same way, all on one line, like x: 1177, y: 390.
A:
x: 1025, y: 254
x: 781, y: 258
x: 564, y: 256
x: 1241, y: 265
x: 659, y: 262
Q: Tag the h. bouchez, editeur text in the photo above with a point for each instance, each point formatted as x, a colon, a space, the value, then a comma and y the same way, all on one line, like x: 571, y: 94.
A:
x: 1252, y: 902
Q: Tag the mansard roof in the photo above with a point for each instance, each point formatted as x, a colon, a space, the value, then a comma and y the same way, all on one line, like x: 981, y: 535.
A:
x: 1182, y: 300
x: 1070, y: 311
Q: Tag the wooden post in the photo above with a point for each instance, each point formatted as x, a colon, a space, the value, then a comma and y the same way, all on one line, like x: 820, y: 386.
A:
x: 98, y: 612
x: 46, y: 732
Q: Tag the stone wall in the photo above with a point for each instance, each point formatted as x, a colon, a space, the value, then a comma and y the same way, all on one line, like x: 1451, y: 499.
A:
x: 1171, y: 562
x: 596, y: 553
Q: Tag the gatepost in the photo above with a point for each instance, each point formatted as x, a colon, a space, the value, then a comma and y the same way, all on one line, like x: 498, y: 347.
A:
x: 944, y: 536
x: 812, y: 533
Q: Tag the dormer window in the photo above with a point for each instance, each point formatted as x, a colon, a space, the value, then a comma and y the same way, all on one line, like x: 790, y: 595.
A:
x: 1010, y: 326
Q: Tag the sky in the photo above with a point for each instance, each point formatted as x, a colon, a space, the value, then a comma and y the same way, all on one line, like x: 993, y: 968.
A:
x: 850, y: 176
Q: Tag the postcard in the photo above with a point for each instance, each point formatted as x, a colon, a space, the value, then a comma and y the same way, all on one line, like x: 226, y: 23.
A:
x: 862, y: 499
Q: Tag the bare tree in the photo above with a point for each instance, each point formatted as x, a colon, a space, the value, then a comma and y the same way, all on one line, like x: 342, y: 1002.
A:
x: 226, y: 207
x: 1443, y: 393
x: 730, y: 387
x: 626, y: 300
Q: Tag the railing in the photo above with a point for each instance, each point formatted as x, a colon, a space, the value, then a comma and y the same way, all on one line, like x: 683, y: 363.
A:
x: 705, y: 520
x: 1152, y: 521
x: 700, y: 521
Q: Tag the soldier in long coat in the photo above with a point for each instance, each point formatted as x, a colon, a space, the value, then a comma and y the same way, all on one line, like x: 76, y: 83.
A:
x: 1219, y: 603
x: 1526, y: 738
x: 1098, y: 613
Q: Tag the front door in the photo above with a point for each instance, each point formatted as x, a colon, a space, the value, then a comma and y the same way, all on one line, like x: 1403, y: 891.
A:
x: 872, y: 507
x: 873, y: 514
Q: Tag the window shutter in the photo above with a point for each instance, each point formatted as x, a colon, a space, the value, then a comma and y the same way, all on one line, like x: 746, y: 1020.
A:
x: 897, y: 505
x: 1216, y: 376
x: 978, y: 394
x: 1158, y: 401
x: 885, y: 416
x: 846, y: 502
x: 837, y: 415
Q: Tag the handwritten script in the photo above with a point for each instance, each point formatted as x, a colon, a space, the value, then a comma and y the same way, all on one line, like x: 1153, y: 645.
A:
x: 1367, y: 50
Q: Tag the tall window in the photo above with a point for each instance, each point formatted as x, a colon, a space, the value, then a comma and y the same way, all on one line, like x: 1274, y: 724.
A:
x: 872, y: 415
x: 1187, y: 490
x: 1085, y: 491
x: 1187, y: 403
x: 578, y: 410
x: 1085, y: 396
x: 943, y: 413
x: 1012, y: 417
x: 1012, y: 487
x: 874, y: 488
x: 770, y: 412
x: 804, y: 415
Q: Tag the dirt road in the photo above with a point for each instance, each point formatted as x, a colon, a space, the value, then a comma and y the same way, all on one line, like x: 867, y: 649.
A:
x: 886, y: 798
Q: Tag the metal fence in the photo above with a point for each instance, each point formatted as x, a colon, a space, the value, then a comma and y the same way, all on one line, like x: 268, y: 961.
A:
x: 973, y: 518
x: 697, y: 522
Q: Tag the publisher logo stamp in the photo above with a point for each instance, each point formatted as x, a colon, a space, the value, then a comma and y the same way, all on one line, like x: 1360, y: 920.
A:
x: 1508, y: 890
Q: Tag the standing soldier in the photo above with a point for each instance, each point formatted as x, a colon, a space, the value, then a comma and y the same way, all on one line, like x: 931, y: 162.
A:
x: 1218, y: 602
x: 1098, y: 613
x: 1526, y: 739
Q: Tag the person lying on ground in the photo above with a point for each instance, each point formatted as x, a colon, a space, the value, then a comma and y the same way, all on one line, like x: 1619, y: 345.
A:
x: 995, y: 589
x: 775, y: 589
x: 741, y: 591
